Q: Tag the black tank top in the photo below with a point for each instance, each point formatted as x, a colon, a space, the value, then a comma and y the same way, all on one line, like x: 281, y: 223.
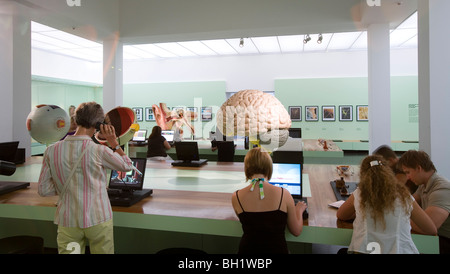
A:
x: 264, y: 232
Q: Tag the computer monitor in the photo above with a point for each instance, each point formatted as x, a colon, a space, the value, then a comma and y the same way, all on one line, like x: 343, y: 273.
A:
x: 295, y: 132
x: 131, y: 180
x: 140, y: 136
x: 168, y: 134
x: 8, y: 151
x: 187, y: 151
x: 288, y: 176
x: 225, y: 151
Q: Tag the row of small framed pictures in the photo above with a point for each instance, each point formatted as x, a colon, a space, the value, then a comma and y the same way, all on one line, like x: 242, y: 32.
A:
x: 329, y: 113
x: 206, y: 113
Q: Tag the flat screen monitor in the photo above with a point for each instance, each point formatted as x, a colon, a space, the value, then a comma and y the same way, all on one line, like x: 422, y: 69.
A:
x: 8, y: 151
x: 168, y: 134
x: 131, y: 180
x: 295, y: 132
x: 288, y: 176
x: 140, y: 136
x: 187, y: 151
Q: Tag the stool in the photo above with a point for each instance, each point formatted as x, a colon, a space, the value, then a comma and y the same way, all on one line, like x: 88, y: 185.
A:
x: 22, y: 245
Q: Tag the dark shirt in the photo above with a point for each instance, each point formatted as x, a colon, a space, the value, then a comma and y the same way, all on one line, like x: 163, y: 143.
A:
x: 156, y: 147
x: 264, y: 232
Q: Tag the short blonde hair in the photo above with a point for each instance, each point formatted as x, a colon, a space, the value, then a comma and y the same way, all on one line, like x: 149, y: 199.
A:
x: 258, y: 161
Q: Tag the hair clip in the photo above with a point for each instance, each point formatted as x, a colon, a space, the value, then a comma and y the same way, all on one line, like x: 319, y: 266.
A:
x: 375, y: 163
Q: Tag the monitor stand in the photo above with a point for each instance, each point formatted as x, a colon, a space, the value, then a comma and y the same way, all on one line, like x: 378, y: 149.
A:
x: 123, y: 197
x: 193, y: 163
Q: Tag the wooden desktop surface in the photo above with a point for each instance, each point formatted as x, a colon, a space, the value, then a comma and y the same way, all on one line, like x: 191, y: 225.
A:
x: 203, y: 204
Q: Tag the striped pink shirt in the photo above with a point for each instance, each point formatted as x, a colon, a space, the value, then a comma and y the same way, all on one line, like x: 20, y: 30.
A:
x: 86, y: 201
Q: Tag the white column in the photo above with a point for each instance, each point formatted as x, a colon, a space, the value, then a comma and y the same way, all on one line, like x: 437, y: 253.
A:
x: 434, y: 82
x: 379, y: 85
x: 112, y: 73
x: 15, y: 78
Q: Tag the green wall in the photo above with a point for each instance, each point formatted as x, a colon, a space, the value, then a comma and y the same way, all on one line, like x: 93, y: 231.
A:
x: 187, y: 94
x: 63, y: 93
x: 291, y: 92
x: 348, y: 91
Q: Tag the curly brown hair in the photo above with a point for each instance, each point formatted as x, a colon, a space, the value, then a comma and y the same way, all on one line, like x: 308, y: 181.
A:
x: 380, y: 189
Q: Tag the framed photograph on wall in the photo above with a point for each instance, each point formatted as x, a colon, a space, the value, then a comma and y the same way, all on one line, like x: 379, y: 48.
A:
x: 149, y: 115
x: 345, y: 113
x: 362, y: 113
x: 206, y: 114
x: 295, y: 113
x: 311, y: 113
x: 193, y: 112
x: 139, y: 114
x: 328, y: 113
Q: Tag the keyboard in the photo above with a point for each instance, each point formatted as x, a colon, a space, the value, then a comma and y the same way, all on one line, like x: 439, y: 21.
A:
x: 119, y: 198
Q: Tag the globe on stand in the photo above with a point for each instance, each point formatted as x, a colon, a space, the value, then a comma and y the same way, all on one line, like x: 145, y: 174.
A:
x: 48, y: 123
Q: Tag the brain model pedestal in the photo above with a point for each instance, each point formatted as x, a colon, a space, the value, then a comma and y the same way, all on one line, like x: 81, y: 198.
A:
x: 255, y: 114
x: 48, y: 123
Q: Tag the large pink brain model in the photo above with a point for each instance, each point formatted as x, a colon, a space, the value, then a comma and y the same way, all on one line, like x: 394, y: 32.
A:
x: 255, y: 114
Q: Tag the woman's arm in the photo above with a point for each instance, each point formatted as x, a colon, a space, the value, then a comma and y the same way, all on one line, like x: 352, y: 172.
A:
x: 347, y: 210
x: 295, y: 214
x: 46, y: 186
x: 166, y: 145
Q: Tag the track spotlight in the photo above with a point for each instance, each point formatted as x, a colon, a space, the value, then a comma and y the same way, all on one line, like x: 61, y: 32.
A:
x: 307, y: 39
x: 241, y: 43
x: 319, y: 40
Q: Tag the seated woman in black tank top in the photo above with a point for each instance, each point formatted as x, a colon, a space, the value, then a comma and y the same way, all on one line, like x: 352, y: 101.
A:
x: 265, y: 210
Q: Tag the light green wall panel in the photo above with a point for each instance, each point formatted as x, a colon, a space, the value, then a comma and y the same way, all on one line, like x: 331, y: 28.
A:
x: 212, y: 94
x: 349, y: 91
x: 63, y: 94
x: 326, y: 92
x: 404, y: 108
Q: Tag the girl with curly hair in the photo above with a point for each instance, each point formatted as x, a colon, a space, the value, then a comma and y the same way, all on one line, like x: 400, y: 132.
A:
x: 382, y: 209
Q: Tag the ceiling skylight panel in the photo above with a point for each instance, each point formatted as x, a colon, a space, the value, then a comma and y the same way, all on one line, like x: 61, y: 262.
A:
x: 400, y: 36
x: 291, y: 43
x: 220, y: 46
x: 361, y: 42
x: 154, y: 50
x: 410, y: 23
x: 342, y: 41
x: 41, y: 45
x: 198, y: 48
x: 36, y: 27
x: 176, y: 49
x: 50, y: 40
x: 70, y: 38
x: 131, y: 52
x: 247, y: 48
x: 411, y: 43
x: 267, y: 44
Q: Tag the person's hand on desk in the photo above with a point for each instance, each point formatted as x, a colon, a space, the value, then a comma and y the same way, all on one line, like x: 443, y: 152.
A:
x: 300, y: 207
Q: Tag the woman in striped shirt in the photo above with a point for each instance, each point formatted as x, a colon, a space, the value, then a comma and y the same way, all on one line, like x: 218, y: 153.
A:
x: 83, y: 212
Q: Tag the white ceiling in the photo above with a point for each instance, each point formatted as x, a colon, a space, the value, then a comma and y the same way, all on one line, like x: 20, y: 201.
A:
x: 59, y: 42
